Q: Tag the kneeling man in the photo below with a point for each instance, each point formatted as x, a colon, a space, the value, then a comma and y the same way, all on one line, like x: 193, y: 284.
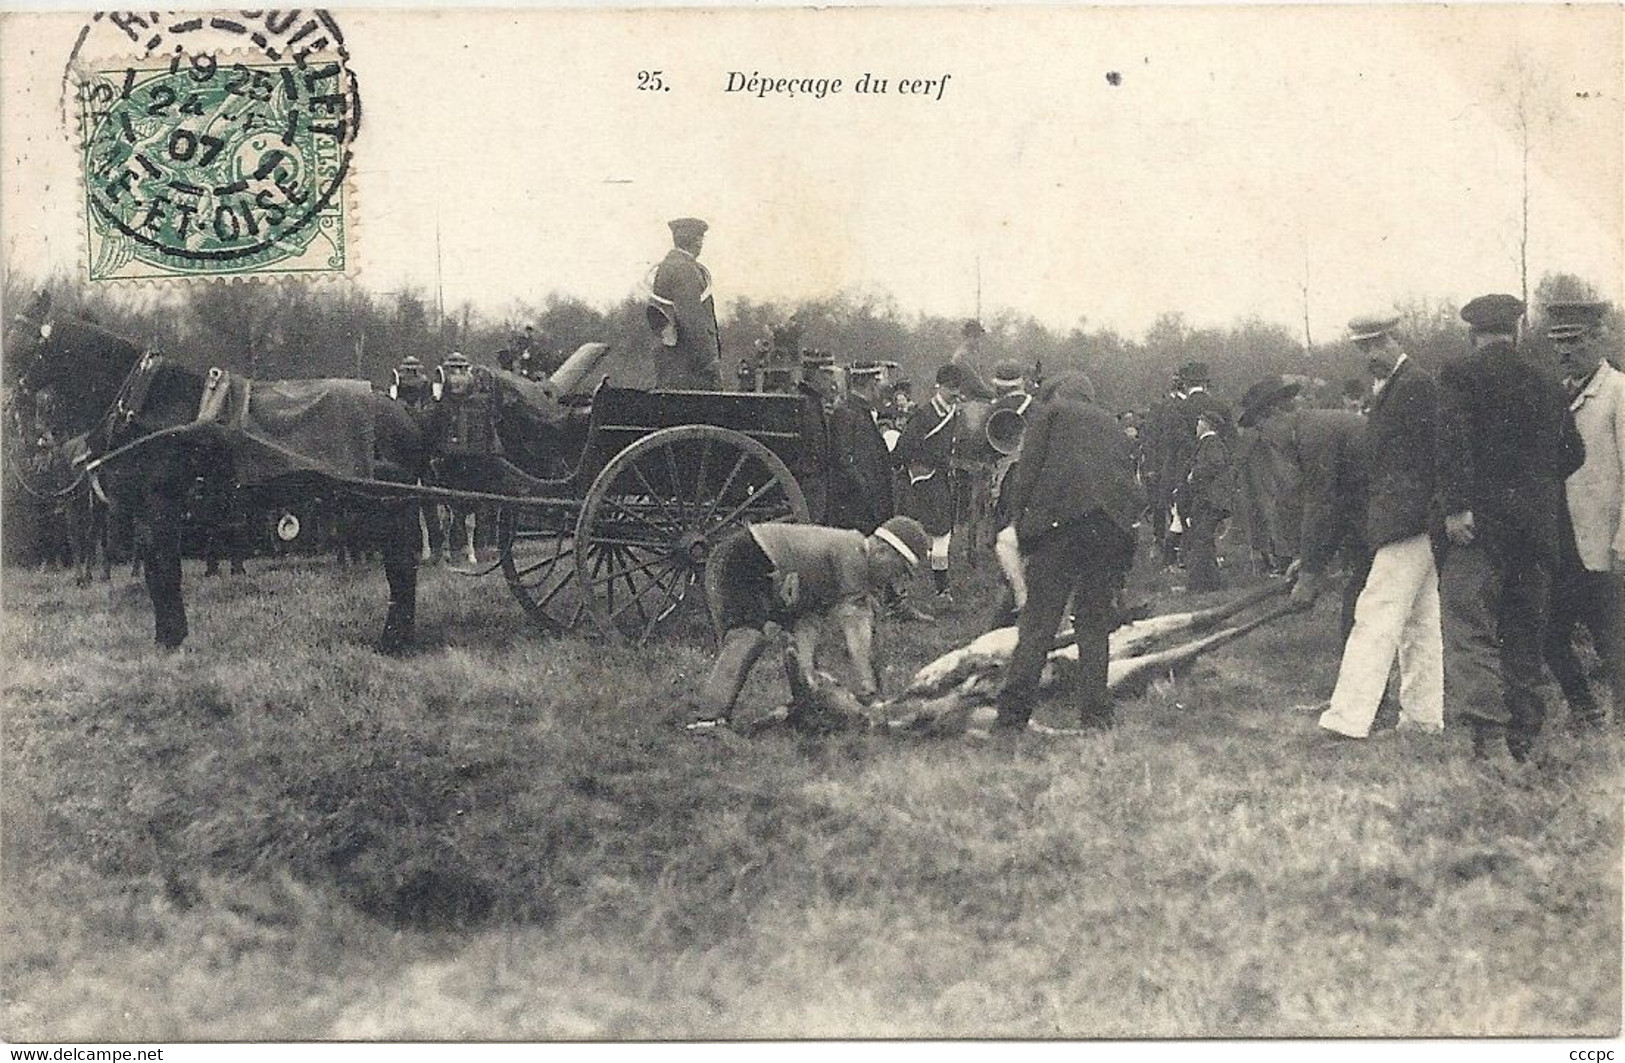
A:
x: 793, y: 576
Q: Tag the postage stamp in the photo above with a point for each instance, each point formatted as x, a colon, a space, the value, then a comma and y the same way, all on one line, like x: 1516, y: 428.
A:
x: 223, y: 154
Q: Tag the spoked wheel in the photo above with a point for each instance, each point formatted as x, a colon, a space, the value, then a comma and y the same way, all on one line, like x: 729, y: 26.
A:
x: 653, y: 516
x: 538, y: 561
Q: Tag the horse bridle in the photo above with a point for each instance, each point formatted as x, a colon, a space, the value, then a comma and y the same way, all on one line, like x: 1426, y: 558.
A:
x: 121, y: 413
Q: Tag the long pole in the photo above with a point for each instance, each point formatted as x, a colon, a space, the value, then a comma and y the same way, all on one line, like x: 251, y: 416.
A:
x: 978, y: 289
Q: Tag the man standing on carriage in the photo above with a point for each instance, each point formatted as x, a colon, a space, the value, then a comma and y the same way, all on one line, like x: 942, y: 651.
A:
x: 683, y: 316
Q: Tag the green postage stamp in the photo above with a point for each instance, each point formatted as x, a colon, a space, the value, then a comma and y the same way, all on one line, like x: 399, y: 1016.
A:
x: 205, y: 163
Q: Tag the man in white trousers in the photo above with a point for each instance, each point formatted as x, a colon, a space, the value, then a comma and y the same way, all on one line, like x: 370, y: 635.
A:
x: 1398, y: 611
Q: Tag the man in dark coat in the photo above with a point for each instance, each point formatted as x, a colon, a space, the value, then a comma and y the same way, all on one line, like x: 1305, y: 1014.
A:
x: 1206, y: 498
x: 1165, y: 425
x: 925, y: 450
x: 1508, y: 442
x: 1074, y: 502
x: 1321, y: 460
x: 683, y: 316
x: 1397, y: 611
x: 860, y: 489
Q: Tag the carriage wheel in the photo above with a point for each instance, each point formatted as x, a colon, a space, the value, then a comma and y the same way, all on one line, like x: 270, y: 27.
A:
x: 538, y: 561
x: 659, y: 508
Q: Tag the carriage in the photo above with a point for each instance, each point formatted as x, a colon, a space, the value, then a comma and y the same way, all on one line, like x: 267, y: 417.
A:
x: 608, y: 504
x: 621, y: 537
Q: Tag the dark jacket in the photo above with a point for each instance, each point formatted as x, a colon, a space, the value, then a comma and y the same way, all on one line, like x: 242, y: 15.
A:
x: 860, y: 488
x: 1402, y: 457
x: 680, y: 293
x: 1074, y: 461
x: 1326, y: 449
x: 924, y: 450
x: 1210, y: 486
x: 1506, y: 444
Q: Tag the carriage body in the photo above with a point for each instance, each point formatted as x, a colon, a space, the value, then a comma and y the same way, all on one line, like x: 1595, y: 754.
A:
x: 620, y: 538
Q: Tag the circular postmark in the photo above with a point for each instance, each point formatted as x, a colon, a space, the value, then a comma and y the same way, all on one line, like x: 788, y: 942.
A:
x: 221, y: 146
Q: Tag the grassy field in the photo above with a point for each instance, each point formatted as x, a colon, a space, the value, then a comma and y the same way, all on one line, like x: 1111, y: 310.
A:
x: 278, y: 834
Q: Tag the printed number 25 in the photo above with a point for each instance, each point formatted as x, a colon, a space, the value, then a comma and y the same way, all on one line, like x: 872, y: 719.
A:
x: 649, y: 81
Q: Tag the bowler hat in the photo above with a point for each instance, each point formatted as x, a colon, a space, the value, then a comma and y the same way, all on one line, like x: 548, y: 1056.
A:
x: 1264, y: 397
x: 1493, y: 313
x: 951, y: 376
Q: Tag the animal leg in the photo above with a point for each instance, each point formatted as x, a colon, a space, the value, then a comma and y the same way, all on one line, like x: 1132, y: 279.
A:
x: 401, y: 541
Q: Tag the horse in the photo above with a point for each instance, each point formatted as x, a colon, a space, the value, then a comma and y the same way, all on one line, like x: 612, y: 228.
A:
x: 106, y: 386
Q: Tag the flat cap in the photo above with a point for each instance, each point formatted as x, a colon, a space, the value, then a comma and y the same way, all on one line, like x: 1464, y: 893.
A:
x: 687, y: 226
x: 865, y: 369
x: 1372, y: 326
x: 1571, y: 320
x: 951, y: 376
x: 456, y: 360
x: 1194, y: 373
x: 1493, y: 313
x: 1008, y: 374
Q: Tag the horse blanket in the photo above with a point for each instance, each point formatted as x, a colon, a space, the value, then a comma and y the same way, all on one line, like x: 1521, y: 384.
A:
x: 280, y: 427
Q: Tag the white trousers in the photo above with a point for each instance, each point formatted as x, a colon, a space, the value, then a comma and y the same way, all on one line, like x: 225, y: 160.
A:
x: 1398, y: 612
x: 1006, y: 549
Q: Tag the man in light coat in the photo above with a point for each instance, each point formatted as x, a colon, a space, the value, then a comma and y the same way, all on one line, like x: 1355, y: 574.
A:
x: 1586, y: 588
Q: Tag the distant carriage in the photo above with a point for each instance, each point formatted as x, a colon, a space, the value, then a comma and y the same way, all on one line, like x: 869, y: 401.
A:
x: 609, y: 506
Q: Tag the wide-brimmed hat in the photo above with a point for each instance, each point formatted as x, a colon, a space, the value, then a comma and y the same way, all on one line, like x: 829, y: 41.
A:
x: 1265, y: 396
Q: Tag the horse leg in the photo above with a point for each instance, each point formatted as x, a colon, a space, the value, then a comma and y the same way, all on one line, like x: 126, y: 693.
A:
x: 163, y: 565
x: 81, y: 539
x: 102, y: 536
x: 400, y: 540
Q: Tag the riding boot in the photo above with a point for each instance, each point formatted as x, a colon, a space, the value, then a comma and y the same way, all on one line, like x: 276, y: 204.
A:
x: 741, y: 648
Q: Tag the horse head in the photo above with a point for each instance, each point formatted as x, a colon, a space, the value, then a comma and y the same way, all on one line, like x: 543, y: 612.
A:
x: 70, y: 371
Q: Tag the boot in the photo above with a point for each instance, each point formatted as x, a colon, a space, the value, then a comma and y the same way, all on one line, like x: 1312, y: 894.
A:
x: 741, y: 649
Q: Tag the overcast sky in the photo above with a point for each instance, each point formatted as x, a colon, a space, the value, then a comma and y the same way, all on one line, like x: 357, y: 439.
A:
x: 1375, y: 146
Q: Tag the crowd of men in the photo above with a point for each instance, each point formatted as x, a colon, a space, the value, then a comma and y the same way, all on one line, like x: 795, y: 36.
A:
x: 1478, y: 514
